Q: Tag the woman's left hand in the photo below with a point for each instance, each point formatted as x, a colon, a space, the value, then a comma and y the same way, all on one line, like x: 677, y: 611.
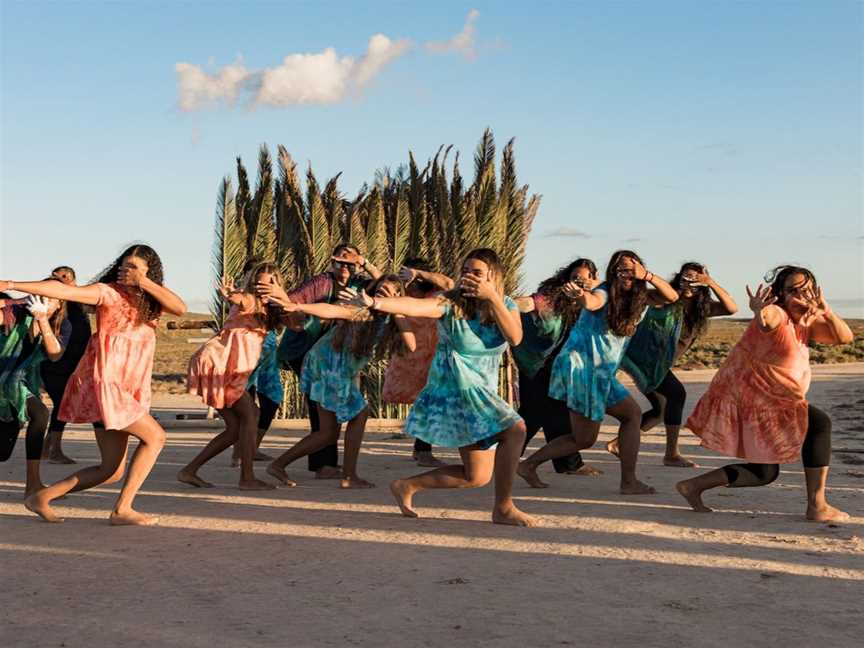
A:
x: 572, y: 290
x: 131, y: 276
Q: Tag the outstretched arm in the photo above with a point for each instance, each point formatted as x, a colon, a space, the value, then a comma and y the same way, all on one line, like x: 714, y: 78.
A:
x: 324, y: 311
x: 440, y: 281
x: 432, y: 307
x: 56, y: 289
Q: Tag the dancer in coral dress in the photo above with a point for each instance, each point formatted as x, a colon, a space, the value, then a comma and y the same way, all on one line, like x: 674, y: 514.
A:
x: 219, y: 373
x: 756, y: 407
x: 112, y: 382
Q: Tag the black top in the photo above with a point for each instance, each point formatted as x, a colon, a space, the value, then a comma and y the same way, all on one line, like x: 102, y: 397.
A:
x: 78, y: 339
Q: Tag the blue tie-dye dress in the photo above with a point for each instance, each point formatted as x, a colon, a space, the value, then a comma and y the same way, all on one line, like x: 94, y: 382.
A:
x: 460, y: 405
x: 332, y: 378
x: 266, y: 379
x: 583, y: 375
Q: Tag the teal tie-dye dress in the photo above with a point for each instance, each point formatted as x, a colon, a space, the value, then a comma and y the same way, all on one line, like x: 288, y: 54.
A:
x: 651, y: 352
x: 460, y: 405
x: 583, y: 375
x: 266, y: 379
x: 332, y: 378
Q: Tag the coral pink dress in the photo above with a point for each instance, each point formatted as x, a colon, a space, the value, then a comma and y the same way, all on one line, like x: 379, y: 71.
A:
x: 220, y: 369
x: 112, y: 381
x: 756, y: 407
x: 406, y: 374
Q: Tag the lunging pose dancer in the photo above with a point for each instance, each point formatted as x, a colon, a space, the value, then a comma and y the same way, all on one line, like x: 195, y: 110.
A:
x: 756, y: 407
x: 219, y: 372
x: 583, y: 374
x: 547, y: 317
x: 111, y: 384
x: 37, y: 330
x: 662, y: 337
x: 330, y: 376
x: 460, y: 407
x: 337, y: 285
x: 407, y: 372
x: 55, y: 375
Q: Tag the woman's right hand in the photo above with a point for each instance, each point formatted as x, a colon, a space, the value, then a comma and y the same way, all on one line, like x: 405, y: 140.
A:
x: 761, y: 299
x: 226, y: 287
x: 362, y: 300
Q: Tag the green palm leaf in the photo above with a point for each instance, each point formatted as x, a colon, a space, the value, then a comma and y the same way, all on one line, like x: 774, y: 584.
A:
x: 319, y: 229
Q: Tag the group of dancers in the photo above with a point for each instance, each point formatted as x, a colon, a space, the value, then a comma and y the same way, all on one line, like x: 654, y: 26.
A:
x: 444, y: 339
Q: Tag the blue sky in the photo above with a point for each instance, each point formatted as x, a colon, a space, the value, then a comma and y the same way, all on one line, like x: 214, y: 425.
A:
x: 729, y: 133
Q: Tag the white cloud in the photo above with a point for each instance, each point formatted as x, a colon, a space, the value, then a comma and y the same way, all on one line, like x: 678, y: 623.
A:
x: 462, y: 43
x: 316, y: 78
x: 567, y: 231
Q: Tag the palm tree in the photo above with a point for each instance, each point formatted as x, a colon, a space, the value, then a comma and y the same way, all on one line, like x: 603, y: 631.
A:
x: 411, y: 212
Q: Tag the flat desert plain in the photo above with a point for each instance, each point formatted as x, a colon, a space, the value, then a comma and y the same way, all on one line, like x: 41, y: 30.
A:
x: 316, y: 566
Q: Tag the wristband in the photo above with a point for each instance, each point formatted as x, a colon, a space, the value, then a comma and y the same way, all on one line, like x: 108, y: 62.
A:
x: 647, y: 278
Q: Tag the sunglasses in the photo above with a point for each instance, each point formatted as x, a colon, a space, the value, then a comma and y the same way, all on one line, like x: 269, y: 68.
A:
x: 350, y: 267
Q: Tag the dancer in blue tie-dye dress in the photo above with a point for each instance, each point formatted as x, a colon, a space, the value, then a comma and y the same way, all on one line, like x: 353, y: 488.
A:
x: 330, y: 377
x: 583, y: 375
x: 460, y: 405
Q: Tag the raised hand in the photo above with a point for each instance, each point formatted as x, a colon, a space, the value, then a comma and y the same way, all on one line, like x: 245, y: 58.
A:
x: 572, y: 290
x: 639, y: 271
x: 349, y: 256
x: 345, y: 295
x: 37, y: 306
x: 481, y: 289
x: 701, y: 279
x: 407, y: 275
x: 761, y: 299
x: 361, y: 300
x: 271, y: 292
x: 226, y: 287
x: 129, y: 275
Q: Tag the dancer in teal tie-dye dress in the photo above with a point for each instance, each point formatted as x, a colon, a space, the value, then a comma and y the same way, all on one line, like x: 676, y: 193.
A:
x: 583, y: 375
x: 330, y: 376
x: 460, y: 405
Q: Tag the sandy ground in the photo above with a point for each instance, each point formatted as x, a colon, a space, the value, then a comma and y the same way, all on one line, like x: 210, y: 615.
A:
x: 316, y: 566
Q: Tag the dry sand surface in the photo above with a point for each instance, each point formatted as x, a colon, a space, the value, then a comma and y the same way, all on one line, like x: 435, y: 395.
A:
x: 316, y: 566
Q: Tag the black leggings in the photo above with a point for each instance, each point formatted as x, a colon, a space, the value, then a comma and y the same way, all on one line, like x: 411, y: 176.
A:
x: 35, y: 437
x: 328, y: 456
x: 266, y: 409
x: 675, y: 394
x: 541, y: 411
x: 815, y: 453
x: 55, y: 385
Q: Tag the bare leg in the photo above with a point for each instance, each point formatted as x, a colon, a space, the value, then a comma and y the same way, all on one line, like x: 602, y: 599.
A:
x: 818, y: 508
x: 54, y: 448
x: 583, y: 435
x: 217, y: 445
x: 112, y: 446
x: 692, y: 489
x: 151, y: 440
x: 474, y: 471
x: 247, y: 420
x: 353, y: 439
x: 327, y: 434
x: 629, y: 437
x: 673, y: 455
x: 507, y: 454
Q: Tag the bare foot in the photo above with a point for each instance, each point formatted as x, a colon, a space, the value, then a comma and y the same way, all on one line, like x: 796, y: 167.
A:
x: 403, y: 494
x: 60, y: 458
x: 650, y: 423
x: 328, y: 472
x: 131, y: 518
x: 693, y: 496
x: 261, y: 456
x: 612, y: 447
x: 428, y: 460
x: 587, y: 470
x: 254, y: 485
x: 528, y: 472
x: 355, y: 482
x: 826, y: 513
x: 512, y: 516
x: 281, y: 475
x: 636, y: 487
x: 40, y: 506
x: 192, y: 479
x: 679, y: 462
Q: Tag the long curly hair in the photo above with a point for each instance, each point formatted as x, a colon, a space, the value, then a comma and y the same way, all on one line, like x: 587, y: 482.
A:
x: 777, y: 278
x: 364, y: 337
x: 470, y: 307
x: 697, y: 309
x: 56, y: 320
x: 552, y: 289
x: 148, y: 306
x: 269, y: 316
x: 625, y: 307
